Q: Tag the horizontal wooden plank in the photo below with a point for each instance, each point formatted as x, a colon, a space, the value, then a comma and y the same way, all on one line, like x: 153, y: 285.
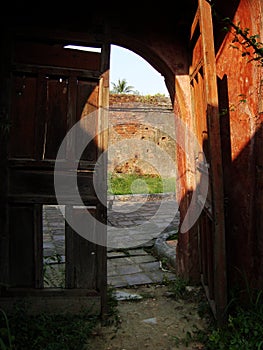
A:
x: 48, y: 292
x: 49, y: 164
x: 33, y: 183
x: 39, y: 301
x: 49, y: 199
x: 84, y: 38
x: 58, y: 70
x: 55, y: 55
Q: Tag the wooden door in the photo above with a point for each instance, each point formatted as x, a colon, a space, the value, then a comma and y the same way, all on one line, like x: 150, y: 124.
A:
x: 211, y: 226
x: 52, y: 88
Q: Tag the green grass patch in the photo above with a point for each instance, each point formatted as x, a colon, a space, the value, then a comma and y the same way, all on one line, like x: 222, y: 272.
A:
x: 242, y: 331
x: 21, y: 330
x: 46, y: 331
x: 139, y: 184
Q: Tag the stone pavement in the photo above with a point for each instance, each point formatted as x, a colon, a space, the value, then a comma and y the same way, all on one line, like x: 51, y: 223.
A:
x: 134, y: 223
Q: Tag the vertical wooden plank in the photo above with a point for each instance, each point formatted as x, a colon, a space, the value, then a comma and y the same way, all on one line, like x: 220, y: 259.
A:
x: 216, y: 174
x: 56, y: 122
x: 71, y: 115
x: 41, y: 115
x: 102, y: 174
x: 69, y: 252
x: 22, y: 263
x: 38, y: 246
x: 5, y: 100
x: 81, y: 256
x: 87, y: 107
x: 203, y: 233
x: 210, y: 258
x: 23, y: 110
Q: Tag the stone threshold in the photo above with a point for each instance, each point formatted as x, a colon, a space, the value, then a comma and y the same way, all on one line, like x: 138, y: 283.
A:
x: 142, y: 197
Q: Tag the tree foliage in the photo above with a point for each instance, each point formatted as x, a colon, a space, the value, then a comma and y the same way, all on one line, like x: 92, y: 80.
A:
x: 122, y: 87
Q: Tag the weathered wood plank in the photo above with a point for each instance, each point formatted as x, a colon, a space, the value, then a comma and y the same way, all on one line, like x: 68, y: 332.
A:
x: 50, y: 70
x: 21, y: 230
x: 102, y: 142
x: 38, y: 53
x: 207, y: 128
x: 5, y: 101
x: 38, y: 246
x: 214, y: 139
x: 25, y: 182
x: 40, y: 129
x: 81, y: 253
x: 73, y: 301
x: 23, y: 111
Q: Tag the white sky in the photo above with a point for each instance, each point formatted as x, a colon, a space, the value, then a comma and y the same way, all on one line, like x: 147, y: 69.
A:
x: 125, y: 64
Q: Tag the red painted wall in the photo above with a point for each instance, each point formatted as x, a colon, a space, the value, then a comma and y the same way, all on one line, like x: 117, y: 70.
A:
x: 239, y: 92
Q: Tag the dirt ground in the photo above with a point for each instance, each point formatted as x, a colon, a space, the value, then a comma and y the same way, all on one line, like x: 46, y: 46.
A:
x: 158, y: 321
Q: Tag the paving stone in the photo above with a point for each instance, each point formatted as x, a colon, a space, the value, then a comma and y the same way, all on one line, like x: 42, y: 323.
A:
x: 116, y: 281
x: 112, y: 271
x: 58, y: 237
x: 122, y: 261
x: 137, y: 252
x: 128, y: 269
x: 48, y: 252
x: 150, y: 266
x: 49, y: 245
x: 143, y: 222
x: 137, y: 278
x: 157, y: 276
x: 115, y: 254
x: 143, y: 259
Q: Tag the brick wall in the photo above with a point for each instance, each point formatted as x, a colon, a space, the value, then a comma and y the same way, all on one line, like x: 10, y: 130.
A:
x: 141, y: 135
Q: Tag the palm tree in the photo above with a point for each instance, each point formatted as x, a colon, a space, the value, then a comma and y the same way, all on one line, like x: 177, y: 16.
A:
x: 121, y: 87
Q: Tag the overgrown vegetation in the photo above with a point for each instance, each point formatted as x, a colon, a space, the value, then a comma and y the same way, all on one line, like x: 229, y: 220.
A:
x: 20, y: 330
x: 54, y: 271
x: 6, y: 339
x: 139, y: 184
x: 242, y: 331
x: 176, y: 287
x: 47, y: 331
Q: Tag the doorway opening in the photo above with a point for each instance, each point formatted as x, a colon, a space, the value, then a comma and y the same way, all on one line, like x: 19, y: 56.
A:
x: 142, y: 207
x: 143, y: 214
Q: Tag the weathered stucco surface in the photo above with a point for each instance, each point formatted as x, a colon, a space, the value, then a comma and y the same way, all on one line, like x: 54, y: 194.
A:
x: 242, y: 135
x: 137, y: 142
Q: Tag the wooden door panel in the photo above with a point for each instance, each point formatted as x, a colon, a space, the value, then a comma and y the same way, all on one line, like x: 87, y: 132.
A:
x: 209, y: 165
x: 23, y: 116
x: 56, y: 126
x: 52, y: 89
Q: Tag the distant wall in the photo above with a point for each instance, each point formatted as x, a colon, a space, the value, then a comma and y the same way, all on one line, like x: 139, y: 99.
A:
x: 141, y: 133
